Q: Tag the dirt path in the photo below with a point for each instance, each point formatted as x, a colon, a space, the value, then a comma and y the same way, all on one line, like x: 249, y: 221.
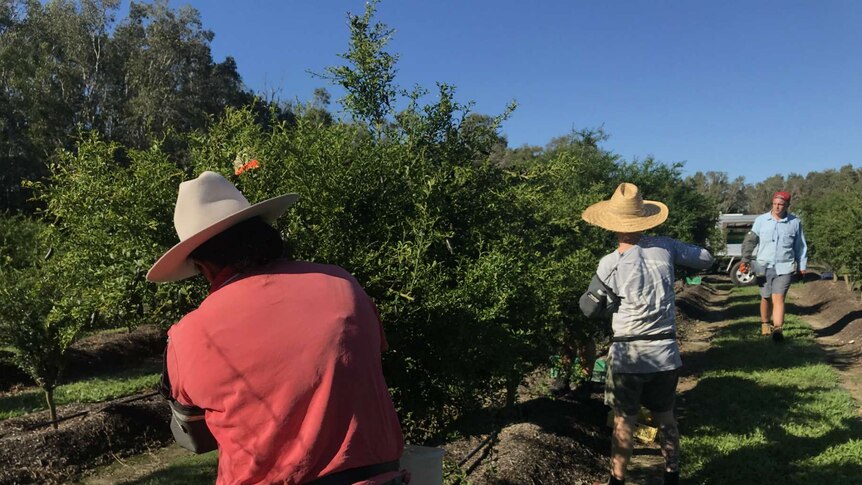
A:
x: 835, y: 314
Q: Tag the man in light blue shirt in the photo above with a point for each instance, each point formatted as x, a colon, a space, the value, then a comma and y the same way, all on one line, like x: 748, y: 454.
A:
x: 781, y: 254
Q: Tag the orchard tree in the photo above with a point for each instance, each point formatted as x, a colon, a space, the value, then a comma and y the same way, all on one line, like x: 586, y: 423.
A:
x: 114, y: 209
x: 831, y: 240
x: 41, y: 316
x: 369, y: 75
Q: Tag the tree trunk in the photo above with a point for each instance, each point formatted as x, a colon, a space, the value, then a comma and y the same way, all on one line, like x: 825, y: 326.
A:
x: 52, y: 406
x: 512, y: 383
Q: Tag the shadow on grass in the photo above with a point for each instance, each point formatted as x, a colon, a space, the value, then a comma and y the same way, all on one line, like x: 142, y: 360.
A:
x: 742, y: 348
x: 192, y: 470
x: 752, y: 421
x: 21, y: 403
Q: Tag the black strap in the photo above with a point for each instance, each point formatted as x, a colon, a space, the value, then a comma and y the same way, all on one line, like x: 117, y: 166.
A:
x: 655, y: 336
x: 353, y: 475
x: 165, y: 382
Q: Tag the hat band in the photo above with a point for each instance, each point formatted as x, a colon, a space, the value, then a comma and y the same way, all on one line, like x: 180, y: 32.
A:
x: 627, y: 209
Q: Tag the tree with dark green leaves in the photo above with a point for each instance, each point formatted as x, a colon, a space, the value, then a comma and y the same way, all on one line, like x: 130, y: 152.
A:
x: 831, y: 235
x: 67, y: 65
x: 729, y: 196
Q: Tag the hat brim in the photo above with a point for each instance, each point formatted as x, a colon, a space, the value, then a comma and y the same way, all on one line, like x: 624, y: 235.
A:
x: 175, y: 264
x: 602, y: 214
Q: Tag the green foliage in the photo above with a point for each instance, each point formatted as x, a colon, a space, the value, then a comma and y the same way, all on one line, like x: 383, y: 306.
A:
x: 476, y: 264
x: 370, y: 81
x: 728, y: 196
x: 35, y: 324
x: 115, y: 216
x: 19, y: 242
x: 67, y: 65
x: 830, y: 236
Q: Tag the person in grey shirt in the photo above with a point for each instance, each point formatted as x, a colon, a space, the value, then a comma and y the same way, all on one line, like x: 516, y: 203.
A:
x: 644, y: 358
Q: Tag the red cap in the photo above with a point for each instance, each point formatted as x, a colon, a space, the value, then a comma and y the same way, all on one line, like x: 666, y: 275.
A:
x: 782, y: 195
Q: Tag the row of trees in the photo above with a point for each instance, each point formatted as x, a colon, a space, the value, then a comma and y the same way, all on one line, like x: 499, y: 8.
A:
x: 475, y: 254
x: 738, y: 197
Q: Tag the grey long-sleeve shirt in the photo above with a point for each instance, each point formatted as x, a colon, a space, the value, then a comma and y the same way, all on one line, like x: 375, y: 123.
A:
x: 643, y: 277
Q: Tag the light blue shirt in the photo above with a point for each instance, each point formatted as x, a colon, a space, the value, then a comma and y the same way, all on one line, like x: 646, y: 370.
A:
x: 643, y: 277
x: 782, y: 245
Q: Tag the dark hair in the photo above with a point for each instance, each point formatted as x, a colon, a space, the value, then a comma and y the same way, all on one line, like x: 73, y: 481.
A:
x: 244, y: 246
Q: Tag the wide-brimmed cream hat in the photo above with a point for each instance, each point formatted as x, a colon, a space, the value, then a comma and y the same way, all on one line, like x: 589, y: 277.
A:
x: 205, y: 207
x: 626, y: 211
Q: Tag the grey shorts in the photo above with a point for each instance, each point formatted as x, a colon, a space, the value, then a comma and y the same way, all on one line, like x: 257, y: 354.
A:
x: 772, y: 284
x: 626, y: 392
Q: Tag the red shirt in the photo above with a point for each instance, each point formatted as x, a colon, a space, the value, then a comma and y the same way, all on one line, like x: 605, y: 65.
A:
x: 286, y: 363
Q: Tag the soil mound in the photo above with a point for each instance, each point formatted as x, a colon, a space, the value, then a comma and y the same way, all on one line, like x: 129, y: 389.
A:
x: 833, y: 309
x: 544, y: 440
x: 34, y: 453
x: 49, y: 456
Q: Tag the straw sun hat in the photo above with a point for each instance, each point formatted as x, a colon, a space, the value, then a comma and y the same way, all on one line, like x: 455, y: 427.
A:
x: 626, y: 211
x: 205, y: 207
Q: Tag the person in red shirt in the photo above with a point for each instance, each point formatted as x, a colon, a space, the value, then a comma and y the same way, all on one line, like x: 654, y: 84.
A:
x: 279, y: 367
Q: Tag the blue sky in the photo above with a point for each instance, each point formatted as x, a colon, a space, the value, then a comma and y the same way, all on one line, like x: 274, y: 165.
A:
x: 751, y: 88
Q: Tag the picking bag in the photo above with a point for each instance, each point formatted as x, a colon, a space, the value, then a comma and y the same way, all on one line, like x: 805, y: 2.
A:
x: 599, y: 301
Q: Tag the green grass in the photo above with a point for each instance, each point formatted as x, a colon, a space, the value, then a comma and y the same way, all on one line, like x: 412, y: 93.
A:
x: 97, y: 389
x: 150, y: 469
x: 763, y: 412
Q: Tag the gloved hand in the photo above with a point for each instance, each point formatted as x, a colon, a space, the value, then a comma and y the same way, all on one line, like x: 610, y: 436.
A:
x: 744, y: 267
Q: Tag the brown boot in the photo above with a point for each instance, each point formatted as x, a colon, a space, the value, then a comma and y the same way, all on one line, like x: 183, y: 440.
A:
x: 765, y: 328
x: 777, y: 335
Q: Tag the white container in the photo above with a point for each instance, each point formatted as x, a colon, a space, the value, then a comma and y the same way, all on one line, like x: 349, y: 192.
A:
x: 424, y: 463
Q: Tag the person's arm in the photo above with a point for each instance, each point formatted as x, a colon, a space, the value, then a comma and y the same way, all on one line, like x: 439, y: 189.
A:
x: 749, y: 244
x: 800, y: 250
x: 691, y: 255
x: 187, y: 421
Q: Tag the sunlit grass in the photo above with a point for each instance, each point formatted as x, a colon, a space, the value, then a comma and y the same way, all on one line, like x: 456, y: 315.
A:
x: 97, y: 389
x: 763, y: 412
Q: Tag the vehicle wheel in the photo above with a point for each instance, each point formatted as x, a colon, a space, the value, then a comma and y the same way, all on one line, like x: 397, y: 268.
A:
x: 739, y: 278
